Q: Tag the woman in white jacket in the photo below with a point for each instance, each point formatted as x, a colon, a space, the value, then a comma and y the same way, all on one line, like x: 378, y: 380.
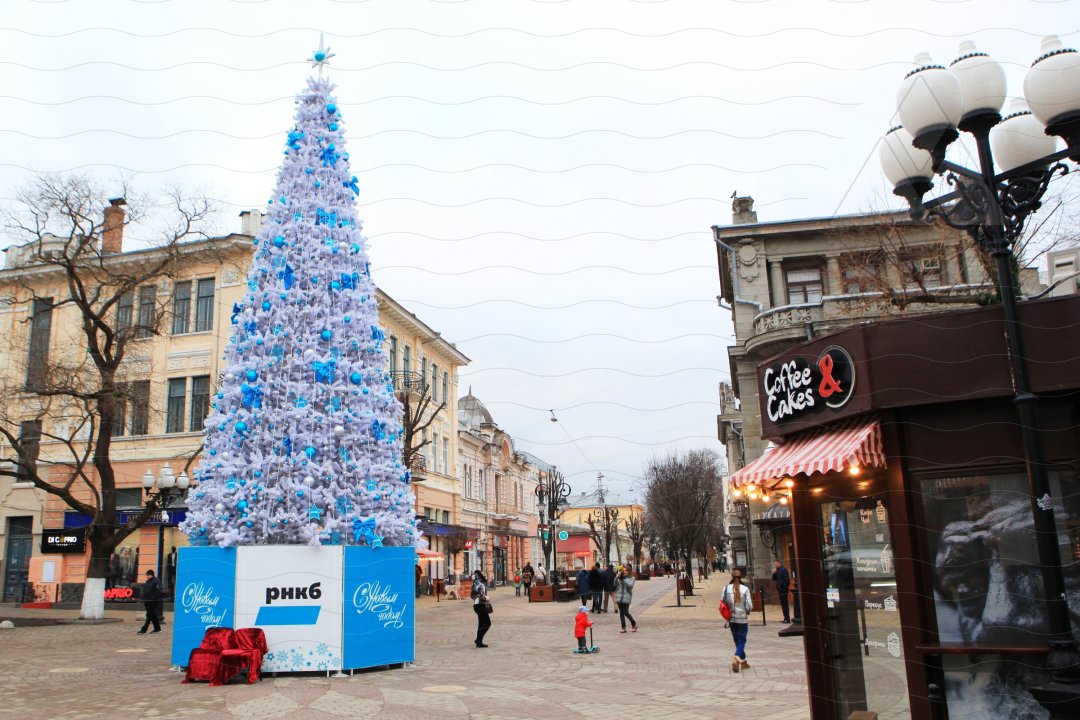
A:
x: 738, y: 598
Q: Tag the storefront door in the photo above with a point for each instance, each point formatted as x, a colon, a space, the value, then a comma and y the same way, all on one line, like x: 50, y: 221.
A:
x: 17, y: 558
x: 863, y: 618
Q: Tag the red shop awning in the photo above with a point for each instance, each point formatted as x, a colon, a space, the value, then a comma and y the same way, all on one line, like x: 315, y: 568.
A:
x: 849, y: 443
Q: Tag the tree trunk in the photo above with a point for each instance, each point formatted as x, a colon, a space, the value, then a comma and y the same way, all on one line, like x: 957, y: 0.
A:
x: 93, y: 599
x: 102, y: 545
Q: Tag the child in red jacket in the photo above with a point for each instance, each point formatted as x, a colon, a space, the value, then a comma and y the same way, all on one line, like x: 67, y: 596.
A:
x: 581, y: 622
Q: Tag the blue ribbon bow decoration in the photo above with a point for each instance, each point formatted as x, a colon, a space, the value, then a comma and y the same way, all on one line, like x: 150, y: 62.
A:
x: 251, y: 396
x: 324, y: 371
x: 363, y: 529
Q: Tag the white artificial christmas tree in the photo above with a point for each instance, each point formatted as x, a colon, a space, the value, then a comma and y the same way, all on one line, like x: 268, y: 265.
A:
x: 303, y: 444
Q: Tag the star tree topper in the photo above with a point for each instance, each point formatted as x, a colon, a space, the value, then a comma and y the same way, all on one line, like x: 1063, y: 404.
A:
x: 321, y: 57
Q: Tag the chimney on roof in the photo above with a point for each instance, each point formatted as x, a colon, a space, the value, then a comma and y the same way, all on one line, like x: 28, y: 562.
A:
x: 251, y: 222
x: 112, y: 231
x: 742, y: 211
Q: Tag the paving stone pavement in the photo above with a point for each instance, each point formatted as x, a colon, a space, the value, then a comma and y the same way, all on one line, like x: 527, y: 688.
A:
x: 676, y: 666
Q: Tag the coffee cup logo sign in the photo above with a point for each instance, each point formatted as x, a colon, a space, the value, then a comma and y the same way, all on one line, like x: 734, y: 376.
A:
x: 794, y: 387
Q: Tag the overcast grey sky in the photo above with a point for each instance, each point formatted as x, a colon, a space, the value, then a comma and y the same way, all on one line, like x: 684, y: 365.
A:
x: 538, y: 177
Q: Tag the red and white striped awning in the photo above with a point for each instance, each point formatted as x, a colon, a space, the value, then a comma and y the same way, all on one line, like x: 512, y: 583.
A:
x: 849, y: 443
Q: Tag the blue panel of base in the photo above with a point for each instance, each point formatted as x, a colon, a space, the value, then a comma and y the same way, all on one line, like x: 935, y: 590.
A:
x: 205, y: 596
x: 380, y: 606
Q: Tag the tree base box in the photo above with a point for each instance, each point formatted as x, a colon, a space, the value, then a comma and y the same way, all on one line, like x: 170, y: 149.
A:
x: 541, y: 593
x: 323, y: 608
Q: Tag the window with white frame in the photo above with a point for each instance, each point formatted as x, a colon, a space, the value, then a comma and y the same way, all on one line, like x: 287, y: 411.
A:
x: 804, y: 284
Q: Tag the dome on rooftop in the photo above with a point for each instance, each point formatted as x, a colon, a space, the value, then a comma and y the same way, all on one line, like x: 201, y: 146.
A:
x: 472, y: 413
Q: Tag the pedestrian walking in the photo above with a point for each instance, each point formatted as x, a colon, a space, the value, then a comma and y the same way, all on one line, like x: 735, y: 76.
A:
x: 481, y: 606
x: 782, y: 578
x: 583, y: 586
x: 517, y: 584
x: 609, y: 585
x: 737, y: 597
x: 419, y: 575
x: 581, y: 623
x: 151, y: 597
x: 624, y: 591
x: 527, y: 575
x: 596, y: 587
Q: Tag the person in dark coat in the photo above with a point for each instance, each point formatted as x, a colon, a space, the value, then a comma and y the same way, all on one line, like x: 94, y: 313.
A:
x: 481, y: 603
x: 609, y: 585
x: 151, y: 597
x: 782, y: 578
x: 596, y: 587
x: 527, y: 576
x: 583, y: 586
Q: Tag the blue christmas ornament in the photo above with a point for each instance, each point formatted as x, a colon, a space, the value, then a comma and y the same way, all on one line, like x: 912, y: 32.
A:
x: 331, y: 108
x: 355, y: 378
x: 251, y: 376
x: 310, y: 452
x: 241, y: 427
x: 326, y: 335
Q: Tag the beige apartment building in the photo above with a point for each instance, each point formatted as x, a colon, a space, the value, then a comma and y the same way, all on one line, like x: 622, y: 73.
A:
x: 173, y: 375
x: 499, y: 505
x: 789, y: 281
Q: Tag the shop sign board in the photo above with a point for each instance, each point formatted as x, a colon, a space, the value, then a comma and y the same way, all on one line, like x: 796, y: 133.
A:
x: 63, y: 540
x: 793, y: 387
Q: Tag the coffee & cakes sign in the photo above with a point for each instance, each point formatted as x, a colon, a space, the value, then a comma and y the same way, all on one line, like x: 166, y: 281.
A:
x: 796, y: 387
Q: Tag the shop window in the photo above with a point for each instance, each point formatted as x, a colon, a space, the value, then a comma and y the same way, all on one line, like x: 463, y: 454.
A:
x: 988, y: 582
x: 181, y: 307
x: 804, y: 285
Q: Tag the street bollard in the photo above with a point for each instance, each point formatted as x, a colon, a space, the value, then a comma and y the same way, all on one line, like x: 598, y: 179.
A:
x: 761, y: 594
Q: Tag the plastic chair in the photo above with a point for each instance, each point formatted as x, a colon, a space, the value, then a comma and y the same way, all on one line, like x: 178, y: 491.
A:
x: 249, y: 647
x: 205, y: 660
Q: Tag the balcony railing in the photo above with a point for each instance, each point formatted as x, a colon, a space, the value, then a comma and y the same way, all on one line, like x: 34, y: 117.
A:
x: 409, y: 382
x: 418, y: 467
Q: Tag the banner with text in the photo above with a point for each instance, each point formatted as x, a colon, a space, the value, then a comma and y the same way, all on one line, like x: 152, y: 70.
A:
x: 205, y: 596
x: 380, y: 604
x: 292, y: 592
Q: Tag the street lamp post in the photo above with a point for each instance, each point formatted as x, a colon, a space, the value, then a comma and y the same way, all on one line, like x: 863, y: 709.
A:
x: 1018, y: 158
x: 551, y: 492
x: 741, y: 505
x: 170, y: 488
